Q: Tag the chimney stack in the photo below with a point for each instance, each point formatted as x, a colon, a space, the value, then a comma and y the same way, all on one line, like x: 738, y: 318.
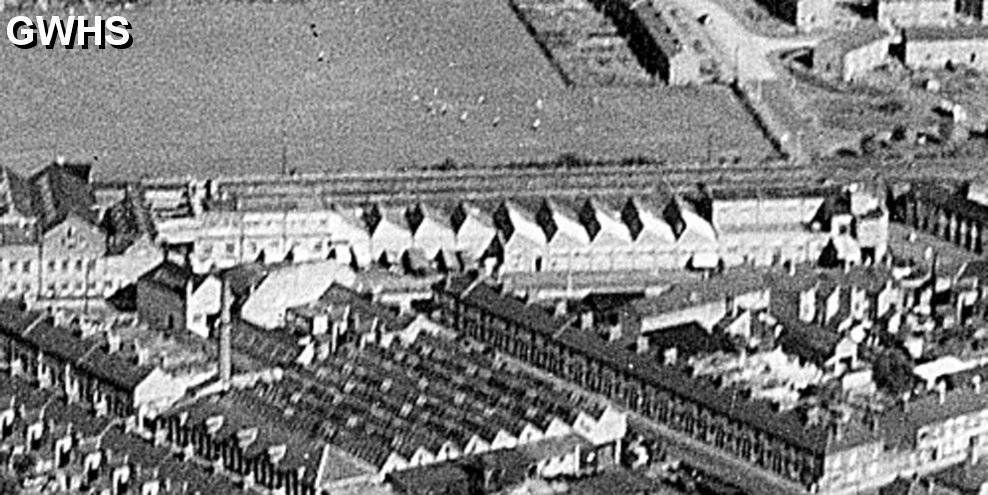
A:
x: 586, y: 320
x: 670, y: 357
x: 976, y: 381
x: 226, y: 358
x: 642, y: 345
x: 615, y: 332
x: 942, y: 391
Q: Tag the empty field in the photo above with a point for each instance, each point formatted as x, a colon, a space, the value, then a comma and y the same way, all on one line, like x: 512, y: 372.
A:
x: 221, y: 88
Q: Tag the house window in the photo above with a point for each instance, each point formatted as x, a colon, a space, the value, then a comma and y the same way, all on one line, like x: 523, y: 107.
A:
x: 65, y: 265
x: 51, y: 265
x: 13, y: 267
x: 78, y: 265
x: 230, y: 248
x: 26, y: 266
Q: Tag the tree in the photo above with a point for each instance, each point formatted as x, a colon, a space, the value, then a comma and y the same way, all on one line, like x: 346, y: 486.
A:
x: 893, y: 372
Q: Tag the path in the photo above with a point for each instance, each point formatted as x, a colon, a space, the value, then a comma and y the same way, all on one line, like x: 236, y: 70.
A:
x: 738, y: 46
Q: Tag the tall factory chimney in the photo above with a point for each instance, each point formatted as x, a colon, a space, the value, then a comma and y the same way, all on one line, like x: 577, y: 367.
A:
x: 226, y: 358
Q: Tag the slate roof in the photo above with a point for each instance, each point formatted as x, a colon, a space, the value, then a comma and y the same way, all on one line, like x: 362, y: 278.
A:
x: 689, y: 339
x: 15, y: 194
x: 951, y: 201
x: 173, y: 277
x: 861, y: 35
x: 114, y: 370
x: 338, y: 294
x: 809, y: 342
x: 60, y: 192
x: 126, y: 221
x: 694, y: 293
x: 952, y: 33
x: 977, y: 269
x: 34, y: 330
x: 756, y: 414
x: 963, y: 477
x: 658, y: 30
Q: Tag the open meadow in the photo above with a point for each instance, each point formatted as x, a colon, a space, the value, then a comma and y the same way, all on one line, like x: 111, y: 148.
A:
x: 374, y: 85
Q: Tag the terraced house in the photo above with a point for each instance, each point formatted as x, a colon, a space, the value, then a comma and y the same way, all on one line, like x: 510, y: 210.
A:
x: 827, y: 447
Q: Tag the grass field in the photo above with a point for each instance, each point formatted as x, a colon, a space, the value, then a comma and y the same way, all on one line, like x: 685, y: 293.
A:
x: 219, y: 88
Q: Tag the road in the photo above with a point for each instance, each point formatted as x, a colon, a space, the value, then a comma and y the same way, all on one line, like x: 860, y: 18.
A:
x: 738, y: 47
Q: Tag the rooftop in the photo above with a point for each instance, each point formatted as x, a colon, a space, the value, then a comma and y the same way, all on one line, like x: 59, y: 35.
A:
x: 758, y: 414
x: 951, y: 33
x: 861, y: 35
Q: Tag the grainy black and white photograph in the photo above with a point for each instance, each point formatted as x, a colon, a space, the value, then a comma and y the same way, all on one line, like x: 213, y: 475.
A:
x: 493, y: 247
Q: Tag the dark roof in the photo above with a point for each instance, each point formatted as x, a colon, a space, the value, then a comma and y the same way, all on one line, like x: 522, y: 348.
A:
x: 126, y: 221
x: 60, y: 192
x: 429, y: 479
x: 967, y: 479
x: 757, y: 414
x: 927, y: 409
x: 833, y: 205
x: 32, y: 329
x: 14, y: 320
x: 57, y: 342
x: 485, y: 297
x: 861, y: 35
x: 952, y: 201
x: 952, y: 33
x: 245, y: 277
x: 113, y: 369
x: 619, y: 482
x: 15, y: 194
x: 173, y: 277
x: 658, y: 30
x: 694, y: 293
x: 689, y: 339
x: 977, y: 269
x: 337, y: 295
x: 809, y: 342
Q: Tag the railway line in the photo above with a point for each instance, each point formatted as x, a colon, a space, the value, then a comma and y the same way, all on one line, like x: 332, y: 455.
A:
x: 601, y: 180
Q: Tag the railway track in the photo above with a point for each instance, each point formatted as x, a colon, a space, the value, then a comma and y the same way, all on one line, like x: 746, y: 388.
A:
x: 602, y: 180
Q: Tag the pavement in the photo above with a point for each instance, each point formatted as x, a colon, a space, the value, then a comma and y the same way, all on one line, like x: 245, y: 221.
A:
x: 742, y: 51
